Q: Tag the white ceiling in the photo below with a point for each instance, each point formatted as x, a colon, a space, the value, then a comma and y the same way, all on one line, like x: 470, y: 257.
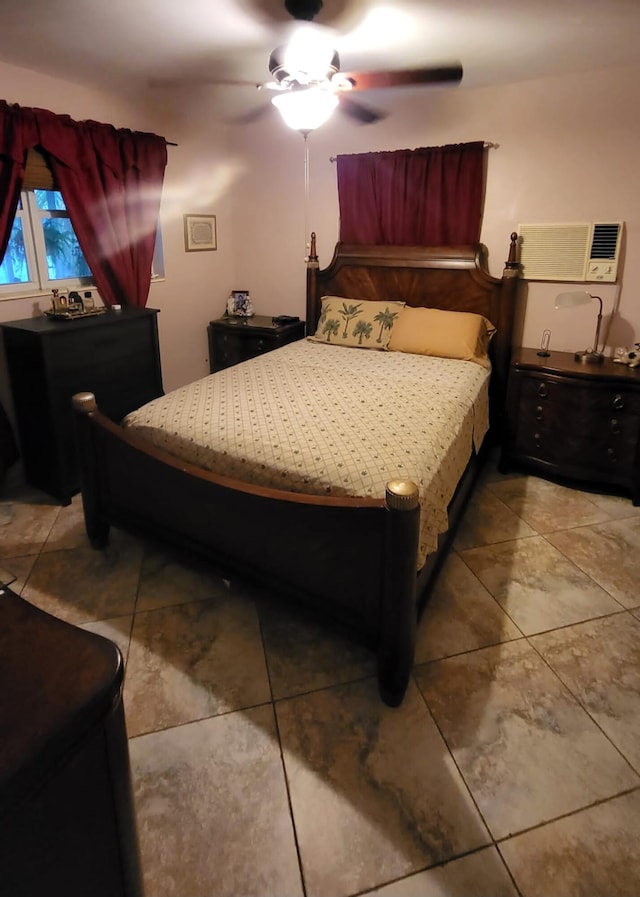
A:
x: 132, y: 43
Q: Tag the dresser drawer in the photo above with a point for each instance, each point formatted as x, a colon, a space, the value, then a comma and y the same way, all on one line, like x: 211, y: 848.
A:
x: 98, y: 346
x: 578, y: 397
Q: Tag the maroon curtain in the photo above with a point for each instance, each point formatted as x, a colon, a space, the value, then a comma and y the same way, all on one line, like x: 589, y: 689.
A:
x: 431, y: 196
x: 18, y: 131
x: 111, y: 182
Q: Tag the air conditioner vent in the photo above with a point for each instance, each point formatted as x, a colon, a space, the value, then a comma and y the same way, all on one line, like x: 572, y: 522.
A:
x: 605, y: 241
x: 577, y: 252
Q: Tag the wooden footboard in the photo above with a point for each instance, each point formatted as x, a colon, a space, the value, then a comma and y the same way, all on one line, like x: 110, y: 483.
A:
x: 355, y: 559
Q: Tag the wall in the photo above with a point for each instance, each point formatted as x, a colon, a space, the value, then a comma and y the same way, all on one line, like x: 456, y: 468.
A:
x: 567, y: 151
x: 198, y: 179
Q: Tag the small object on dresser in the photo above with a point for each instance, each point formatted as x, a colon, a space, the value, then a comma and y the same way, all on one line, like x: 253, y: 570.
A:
x: 285, y: 319
x: 544, y: 344
x: 239, y: 303
x: 630, y: 357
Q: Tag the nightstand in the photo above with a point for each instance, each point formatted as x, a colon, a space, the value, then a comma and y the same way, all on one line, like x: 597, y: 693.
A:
x: 573, y: 421
x: 236, y: 339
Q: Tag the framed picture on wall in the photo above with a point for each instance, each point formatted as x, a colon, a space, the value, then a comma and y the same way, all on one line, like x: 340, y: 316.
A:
x: 200, y: 233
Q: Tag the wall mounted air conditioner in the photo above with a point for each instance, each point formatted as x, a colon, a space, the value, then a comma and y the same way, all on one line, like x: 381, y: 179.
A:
x: 582, y: 252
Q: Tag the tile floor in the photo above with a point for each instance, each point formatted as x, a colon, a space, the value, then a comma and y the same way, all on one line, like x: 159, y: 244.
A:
x: 264, y: 763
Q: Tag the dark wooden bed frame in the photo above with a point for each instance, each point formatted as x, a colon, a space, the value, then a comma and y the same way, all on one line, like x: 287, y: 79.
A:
x: 306, y: 546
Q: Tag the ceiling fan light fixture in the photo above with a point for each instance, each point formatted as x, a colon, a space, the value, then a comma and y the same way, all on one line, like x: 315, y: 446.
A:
x: 305, y: 110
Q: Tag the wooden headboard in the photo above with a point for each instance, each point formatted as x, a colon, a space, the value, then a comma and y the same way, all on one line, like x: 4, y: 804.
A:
x: 455, y: 278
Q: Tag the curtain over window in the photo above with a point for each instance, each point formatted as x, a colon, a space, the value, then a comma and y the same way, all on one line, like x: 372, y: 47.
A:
x: 431, y: 196
x: 111, y: 183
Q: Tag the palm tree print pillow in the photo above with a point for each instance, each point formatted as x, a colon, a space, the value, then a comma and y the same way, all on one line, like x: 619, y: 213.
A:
x: 363, y: 323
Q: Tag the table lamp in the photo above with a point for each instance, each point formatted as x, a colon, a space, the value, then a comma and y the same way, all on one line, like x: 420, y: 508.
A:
x: 581, y: 297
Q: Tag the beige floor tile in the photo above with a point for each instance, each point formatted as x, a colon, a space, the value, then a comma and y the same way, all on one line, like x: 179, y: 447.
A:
x: 171, y: 577
x: 18, y: 570
x: 480, y: 873
x: 546, y: 506
x: 192, y: 661
x: 609, y: 553
x: 590, y: 854
x: 212, y: 812
x: 537, y: 586
x: 460, y: 615
x: 527, y: 750
x: 68, y: 530
x: 487, y: 520
x: 600, y: 663
x: 305, y: 653
x: 82, y: 585
x: 616, y: 506
x: 374, y: 791
x: 25, y: 526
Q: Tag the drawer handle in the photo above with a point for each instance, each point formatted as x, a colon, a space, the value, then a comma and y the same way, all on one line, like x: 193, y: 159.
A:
x: 542, y: 390
x: 536, y: 439
x: 611, y: 454
x: 618, y: 402
x: 615, y: 426
x: 539, y: 412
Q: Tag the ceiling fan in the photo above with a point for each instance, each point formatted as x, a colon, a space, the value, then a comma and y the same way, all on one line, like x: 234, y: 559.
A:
x: 309, y: 83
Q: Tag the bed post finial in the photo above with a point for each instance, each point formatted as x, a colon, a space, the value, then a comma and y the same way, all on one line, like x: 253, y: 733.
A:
x: 313, y: 252
x: 512, y: 261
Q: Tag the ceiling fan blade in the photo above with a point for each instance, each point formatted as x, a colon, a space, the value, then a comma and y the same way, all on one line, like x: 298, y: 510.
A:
x: 365, y: 115
x: 404, y: 78
x: 247, y: 118
x: 198, y: 80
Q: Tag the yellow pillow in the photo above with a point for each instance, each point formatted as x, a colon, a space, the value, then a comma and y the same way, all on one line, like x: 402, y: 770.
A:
x: 364, y: 323
x: 445, y: 334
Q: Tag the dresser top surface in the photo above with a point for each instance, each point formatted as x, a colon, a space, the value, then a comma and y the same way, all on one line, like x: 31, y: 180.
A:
x: 565, y: 363
x: 45, y: 324
x: 253, y: 323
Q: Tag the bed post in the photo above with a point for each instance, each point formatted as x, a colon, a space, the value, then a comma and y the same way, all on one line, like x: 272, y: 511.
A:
x: 508, y: 293
x: 398, y: 614
x: 313, y: 312
x: 84, y: 404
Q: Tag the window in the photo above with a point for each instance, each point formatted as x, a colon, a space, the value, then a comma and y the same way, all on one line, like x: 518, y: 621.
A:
x: 43, y: 251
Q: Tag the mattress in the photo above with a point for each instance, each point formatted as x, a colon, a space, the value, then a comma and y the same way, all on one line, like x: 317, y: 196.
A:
x: 331, y: 420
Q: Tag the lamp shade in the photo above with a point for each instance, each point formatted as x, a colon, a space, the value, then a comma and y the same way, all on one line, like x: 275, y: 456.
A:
x: 305, y: 110
x: 567, y: 300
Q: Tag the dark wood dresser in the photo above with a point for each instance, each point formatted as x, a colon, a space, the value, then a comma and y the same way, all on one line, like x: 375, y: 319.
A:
x: 114, y: 355
x: 574, y: 421
x: 232, y: 340
x: 67, y: 817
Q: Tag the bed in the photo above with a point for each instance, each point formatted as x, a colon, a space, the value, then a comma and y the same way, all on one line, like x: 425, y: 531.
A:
x: 363, y: 554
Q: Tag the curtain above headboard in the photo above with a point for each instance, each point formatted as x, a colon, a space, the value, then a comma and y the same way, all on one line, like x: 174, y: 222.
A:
x: 431, y: 196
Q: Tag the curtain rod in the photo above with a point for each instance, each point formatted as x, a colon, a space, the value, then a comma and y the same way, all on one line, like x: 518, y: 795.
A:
x: 169, y: 143
x: 487, y: 145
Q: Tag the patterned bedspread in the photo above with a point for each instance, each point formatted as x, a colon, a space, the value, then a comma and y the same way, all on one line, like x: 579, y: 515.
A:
x: 330, y: 420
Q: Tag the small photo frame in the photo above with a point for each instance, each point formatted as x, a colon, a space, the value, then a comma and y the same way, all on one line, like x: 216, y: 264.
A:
x: 200, y: 233
x: 239, y: 304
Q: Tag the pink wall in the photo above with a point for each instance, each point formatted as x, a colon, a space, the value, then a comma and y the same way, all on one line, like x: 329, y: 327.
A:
x: 567, y: 151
